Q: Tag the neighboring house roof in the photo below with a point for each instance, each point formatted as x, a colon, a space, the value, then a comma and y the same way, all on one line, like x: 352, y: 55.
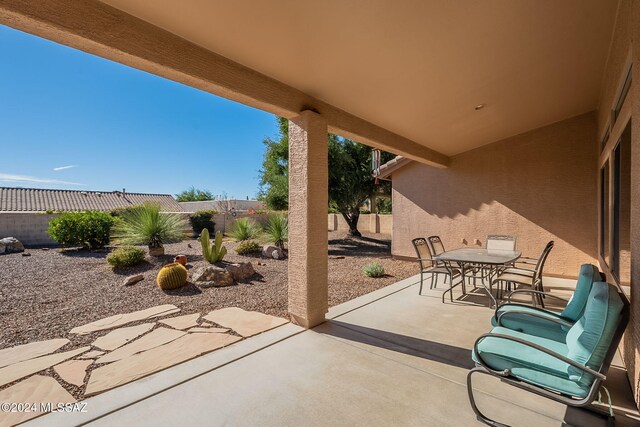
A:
x: 41, y: 200
x: 219, y: 205
x: 385, y: 171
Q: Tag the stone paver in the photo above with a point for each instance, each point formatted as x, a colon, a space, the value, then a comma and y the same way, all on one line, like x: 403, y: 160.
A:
x: 245, y: 323
x: 93, y: 354
x: 25, y: 368
x: 150, y: 361
x: 153, y: 339
x: 122, y: 319
x: 209, y: 330
x: 16, y: 354
x: 182, y: 322
x: 35, y: 390
x: 73, y: 371
x: 121, y: 336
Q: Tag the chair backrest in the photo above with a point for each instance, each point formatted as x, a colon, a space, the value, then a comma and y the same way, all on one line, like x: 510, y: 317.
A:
x: 436, y: 247
x: 594, y: 338
x: 423, y: 252
x: 542, y: 260
x: 588, y: 275
x: 501, y: 242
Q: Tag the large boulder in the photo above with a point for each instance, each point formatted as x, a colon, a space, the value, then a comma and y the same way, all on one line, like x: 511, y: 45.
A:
x: 10, y: 245
x: 212, y: 276
x: 272, y: 251
x: 240, y: 271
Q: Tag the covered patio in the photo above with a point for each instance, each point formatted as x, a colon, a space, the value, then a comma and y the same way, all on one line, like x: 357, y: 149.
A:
x: 504, y: 108
x: 391, y: 357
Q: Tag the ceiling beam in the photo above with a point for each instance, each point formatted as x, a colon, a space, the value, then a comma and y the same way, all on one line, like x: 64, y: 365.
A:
x: 102, y: 30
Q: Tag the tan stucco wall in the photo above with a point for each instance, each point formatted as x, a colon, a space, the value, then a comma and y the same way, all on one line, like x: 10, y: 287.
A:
x: 627, y: 29
x: 539, y: 186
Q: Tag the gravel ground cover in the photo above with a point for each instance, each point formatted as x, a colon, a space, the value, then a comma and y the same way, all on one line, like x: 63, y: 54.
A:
x: 44, y: 295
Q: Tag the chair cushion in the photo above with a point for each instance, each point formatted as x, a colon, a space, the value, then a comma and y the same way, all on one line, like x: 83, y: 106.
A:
x: 590, y: 337
x: 516, y: 278
x: 586, y: 277
x: 514, y: 317
x: 528, y: 364
x: 519, y: 271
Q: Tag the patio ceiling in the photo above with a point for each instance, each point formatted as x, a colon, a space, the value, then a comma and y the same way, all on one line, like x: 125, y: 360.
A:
x: 417, y: 68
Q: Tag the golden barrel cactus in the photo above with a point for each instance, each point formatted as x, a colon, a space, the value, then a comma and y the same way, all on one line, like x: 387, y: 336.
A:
x: 172, y: 276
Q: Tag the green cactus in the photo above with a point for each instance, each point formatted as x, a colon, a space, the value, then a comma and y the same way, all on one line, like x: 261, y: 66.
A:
x: 215, y: 252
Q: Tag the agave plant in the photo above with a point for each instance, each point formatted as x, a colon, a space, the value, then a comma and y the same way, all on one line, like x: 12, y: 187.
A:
x: 244, y: 229
x: 148, y: 226
x: 215, y: 252
x: 277, y: 230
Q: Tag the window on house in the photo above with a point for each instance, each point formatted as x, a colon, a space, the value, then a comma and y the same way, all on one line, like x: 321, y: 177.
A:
x: 604, y: 213
x: 623, y: 95
x: 621, y: 215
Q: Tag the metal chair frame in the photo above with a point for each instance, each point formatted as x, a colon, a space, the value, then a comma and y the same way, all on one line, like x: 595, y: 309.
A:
x: 505, y: 376
x: 429, y: 266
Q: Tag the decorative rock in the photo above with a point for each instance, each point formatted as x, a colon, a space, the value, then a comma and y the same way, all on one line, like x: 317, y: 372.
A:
x: 10, y: 245
x: 245, y: 323
x: 10, y: 373
x: 73, y: 371
x: 26, y: 254
x: 240, y: 271
x: 206, y: 277
x: 182, y: 322
x: 121, y: 336
x: 182, y: 259
x: 122, y: 319
x: 153, y: 339
x: 16, y: 354
x: 271, y: 251
x: 131, y: 280
x: 39, y: 390
x: 142, y: 364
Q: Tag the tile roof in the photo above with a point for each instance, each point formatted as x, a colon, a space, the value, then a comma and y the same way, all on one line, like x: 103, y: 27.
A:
x: 385, y: 171
x: 40, y: 200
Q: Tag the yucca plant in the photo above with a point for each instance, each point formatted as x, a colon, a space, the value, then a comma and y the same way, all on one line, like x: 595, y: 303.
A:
x: 148, y: 226
x: 215, y: 252
x: 244, y: 229
x: 276, y: 230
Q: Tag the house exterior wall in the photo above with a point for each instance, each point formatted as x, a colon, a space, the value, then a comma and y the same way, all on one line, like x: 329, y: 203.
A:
x: 539, y: 186
x: 627, y: 30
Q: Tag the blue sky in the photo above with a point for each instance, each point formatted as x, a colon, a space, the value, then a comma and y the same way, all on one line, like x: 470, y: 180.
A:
x: 75, y: 121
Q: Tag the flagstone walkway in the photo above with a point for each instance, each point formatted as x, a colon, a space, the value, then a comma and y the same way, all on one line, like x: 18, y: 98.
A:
x: 42, y: 372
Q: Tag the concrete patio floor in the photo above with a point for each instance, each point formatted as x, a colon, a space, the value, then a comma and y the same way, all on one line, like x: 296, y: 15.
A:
x: 391, y: 357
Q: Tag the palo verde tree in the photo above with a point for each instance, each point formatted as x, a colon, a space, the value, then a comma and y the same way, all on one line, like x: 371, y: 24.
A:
x: 350, y: 180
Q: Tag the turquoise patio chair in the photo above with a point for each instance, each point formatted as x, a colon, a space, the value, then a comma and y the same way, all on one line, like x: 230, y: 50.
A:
x: 546, y: 323
x: 571, y: 372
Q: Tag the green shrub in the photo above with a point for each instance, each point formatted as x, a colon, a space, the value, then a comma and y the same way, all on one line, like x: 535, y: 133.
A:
x: 201, y: 220
x: 248, y: 247
x: 277, y: 230
x: 244, y: 229
x: 375, y: 269
x: 120, y: 212
x: 126, y: 256
x: 88, y: 229
x: 148, y: 226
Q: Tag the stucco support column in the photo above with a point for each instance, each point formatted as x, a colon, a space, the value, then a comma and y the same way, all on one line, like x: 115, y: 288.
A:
x: 308, y: 203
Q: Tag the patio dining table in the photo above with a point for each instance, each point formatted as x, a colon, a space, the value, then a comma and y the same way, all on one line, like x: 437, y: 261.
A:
x: 476, y: 258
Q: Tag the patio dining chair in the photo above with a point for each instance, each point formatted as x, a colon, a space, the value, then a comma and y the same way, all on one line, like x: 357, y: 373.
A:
x: 545, y: 323
x: 429, y: 266
x: 511, y: 277
x: 495, y: 242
